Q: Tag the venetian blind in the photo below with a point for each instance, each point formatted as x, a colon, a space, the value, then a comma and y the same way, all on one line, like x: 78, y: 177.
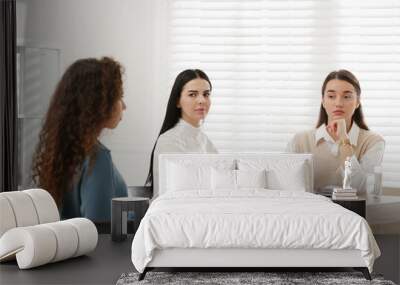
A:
x: 267, y: 60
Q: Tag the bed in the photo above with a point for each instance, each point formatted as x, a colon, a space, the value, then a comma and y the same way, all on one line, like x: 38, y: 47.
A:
x: 246, y: 211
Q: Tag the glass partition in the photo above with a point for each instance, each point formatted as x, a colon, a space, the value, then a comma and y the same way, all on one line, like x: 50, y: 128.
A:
x: 38, y: 71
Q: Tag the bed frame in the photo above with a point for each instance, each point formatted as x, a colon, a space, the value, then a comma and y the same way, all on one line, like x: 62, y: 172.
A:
x: 246, y: 259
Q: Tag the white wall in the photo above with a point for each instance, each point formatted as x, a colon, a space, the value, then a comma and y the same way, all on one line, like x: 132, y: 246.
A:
x: 131, y: 32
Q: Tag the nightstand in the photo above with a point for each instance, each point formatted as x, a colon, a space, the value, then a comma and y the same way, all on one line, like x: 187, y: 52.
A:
x: 140, y: 191
x: 358, y: 205
x: 119, y: 214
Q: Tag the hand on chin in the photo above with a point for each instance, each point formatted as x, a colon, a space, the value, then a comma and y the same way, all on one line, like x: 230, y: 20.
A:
x: 337, y: 128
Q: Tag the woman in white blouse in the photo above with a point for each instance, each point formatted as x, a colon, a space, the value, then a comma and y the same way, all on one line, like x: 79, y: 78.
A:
x: 341, y: 132
x: 188, y: 105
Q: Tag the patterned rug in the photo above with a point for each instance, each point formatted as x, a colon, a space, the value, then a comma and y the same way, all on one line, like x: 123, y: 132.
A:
x: 273, y: 278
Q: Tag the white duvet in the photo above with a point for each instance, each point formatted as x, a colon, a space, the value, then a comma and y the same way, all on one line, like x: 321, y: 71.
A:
x: 250, y: 219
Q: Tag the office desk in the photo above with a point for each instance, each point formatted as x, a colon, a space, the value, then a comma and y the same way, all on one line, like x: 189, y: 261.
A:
x: 102, y: 266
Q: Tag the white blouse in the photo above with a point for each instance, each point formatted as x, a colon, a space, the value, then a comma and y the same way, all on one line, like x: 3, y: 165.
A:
x: 359, y: 169
x: 182, y: 138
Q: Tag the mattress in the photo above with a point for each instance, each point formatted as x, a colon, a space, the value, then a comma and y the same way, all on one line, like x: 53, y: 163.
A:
x: 251, y: 219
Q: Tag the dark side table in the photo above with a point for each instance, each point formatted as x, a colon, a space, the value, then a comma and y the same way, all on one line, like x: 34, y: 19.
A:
x: 358, y: 205
x: 120, y: 207
x: 140, y: 191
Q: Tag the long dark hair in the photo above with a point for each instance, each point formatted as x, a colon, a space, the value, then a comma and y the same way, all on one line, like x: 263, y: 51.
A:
x: 349, y: 77
x: 82, y: 103
x: 173, y: 113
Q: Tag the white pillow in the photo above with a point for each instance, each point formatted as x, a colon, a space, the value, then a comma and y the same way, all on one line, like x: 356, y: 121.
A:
x: 181, y: 177
x: 282, y: 174
x: 223, y: 179
x: 251, y: 178
x: 289, y: 175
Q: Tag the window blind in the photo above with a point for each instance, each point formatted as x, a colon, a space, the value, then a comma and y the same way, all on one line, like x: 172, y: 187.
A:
x: 267, y: 60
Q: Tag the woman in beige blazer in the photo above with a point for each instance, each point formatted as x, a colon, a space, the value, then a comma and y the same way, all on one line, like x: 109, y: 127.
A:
x: 341, y: 132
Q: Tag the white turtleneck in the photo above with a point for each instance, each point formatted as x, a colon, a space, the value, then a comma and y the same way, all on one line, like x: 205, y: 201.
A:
x: 182, y: 138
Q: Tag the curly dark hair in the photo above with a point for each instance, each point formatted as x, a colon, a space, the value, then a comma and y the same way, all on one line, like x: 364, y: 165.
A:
x: 83, y: 102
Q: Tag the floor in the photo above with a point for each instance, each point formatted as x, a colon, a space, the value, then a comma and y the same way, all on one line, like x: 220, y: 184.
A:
x: 102, y: 266
x: 111, y: 259
x: 389, y: 262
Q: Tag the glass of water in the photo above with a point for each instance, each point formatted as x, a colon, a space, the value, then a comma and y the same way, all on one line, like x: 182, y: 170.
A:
x: 370, y: 184
x: 373, y: 183
x: 377, y: 182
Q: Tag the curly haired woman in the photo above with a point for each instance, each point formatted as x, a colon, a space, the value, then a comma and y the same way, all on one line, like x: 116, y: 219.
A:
x: 70, y: 162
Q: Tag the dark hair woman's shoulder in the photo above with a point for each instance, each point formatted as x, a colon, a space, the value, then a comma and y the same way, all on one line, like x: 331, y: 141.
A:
x: 302, y: 141
x: 371, y: 136
x: 304, y: 134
